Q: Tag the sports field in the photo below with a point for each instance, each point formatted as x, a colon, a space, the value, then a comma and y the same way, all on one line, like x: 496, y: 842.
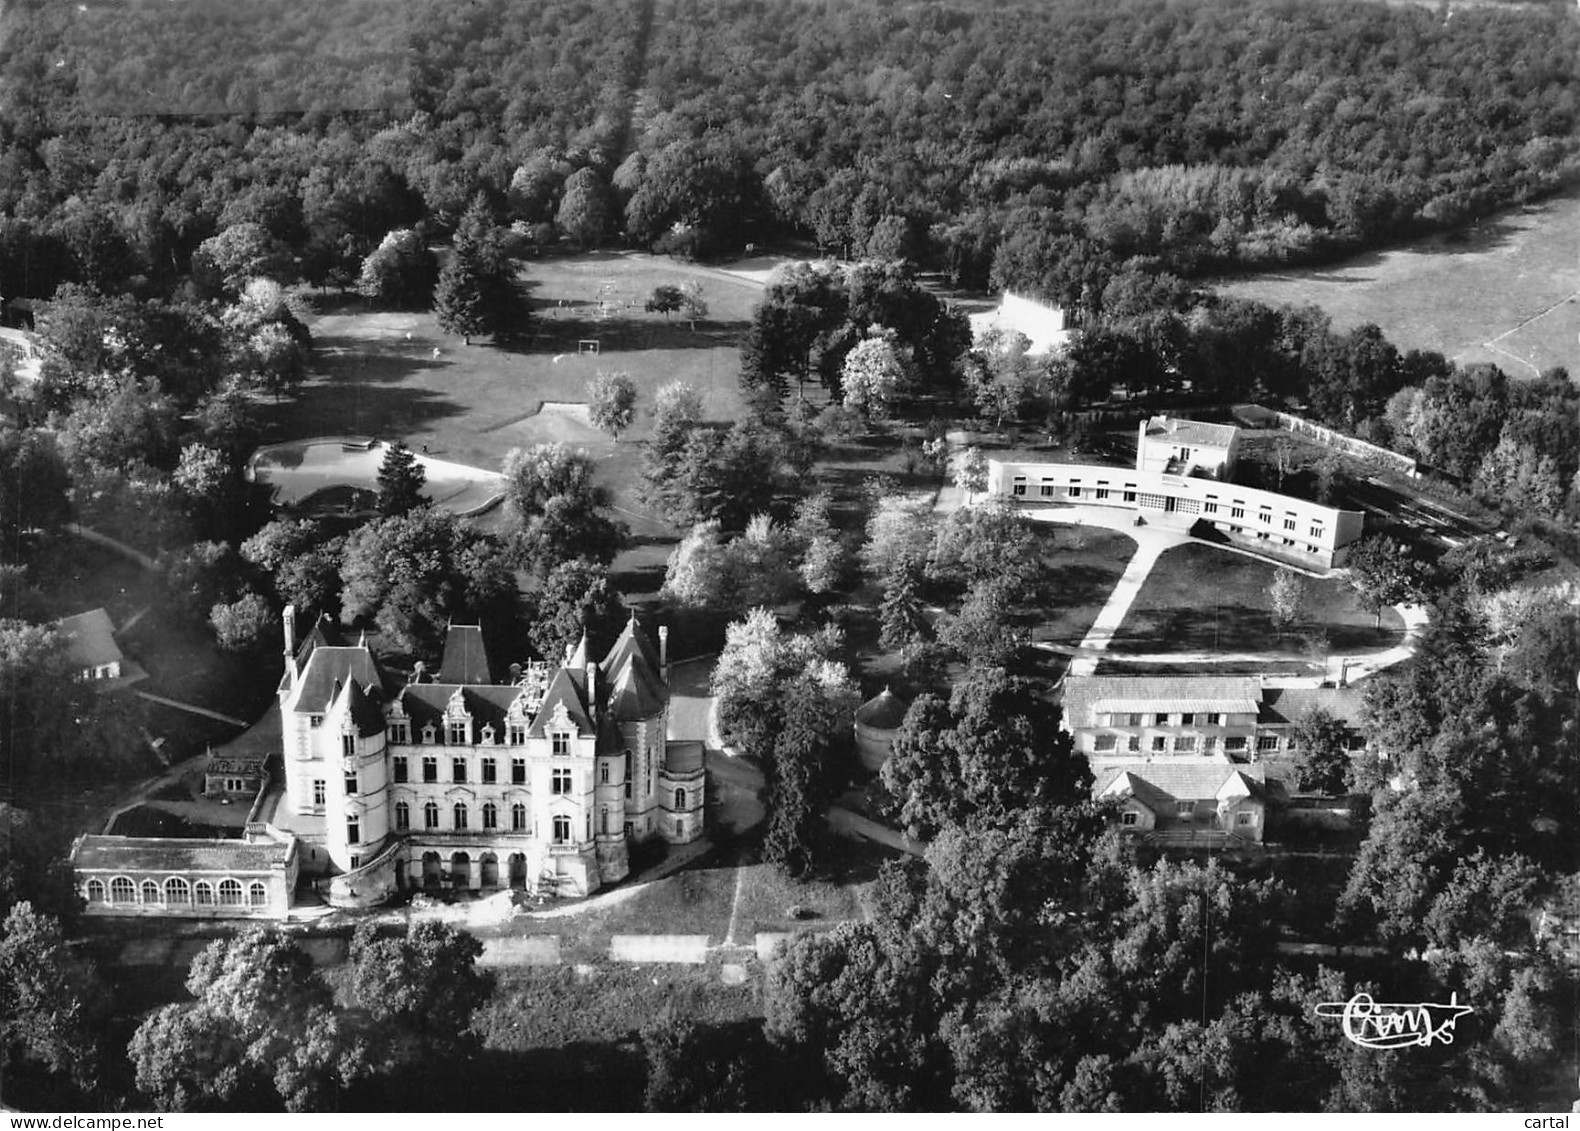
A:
x: 1505, y: 292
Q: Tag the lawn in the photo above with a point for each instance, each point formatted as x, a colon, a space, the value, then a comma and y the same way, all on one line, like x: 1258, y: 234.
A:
x: 1504, y: 293
x: 1082, y: 564
x: 376, y: 373
x: 1202, y: 599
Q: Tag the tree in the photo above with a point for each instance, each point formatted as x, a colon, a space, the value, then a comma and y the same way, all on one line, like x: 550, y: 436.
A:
x: 400, y: 272
x: 1323, y: 742
x: 585, y: 209
x: 813, y: 709
x: 665, y: 299
x: 460, y: 301
x: 557, y: 508
x: 692, y: 302
x: 244, y: 625
x: 239, y: 253
x: 33, y: 485
x: 260, y: 1006
x: 476, y: 294
x: 699, y: 573
x: 401, y: 478
x: 1286, y: 596
x: 301, y: 559
x: 612, y: 398
x: 873, y: 376
x: 51, y: 1003
x: 971, y: 471
x: 424, y: 987
x: 576, y: 598
x: 1384, y: 573
x: 823, y: 553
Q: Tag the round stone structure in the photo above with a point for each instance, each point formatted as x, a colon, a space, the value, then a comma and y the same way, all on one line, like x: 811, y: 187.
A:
x: 876, y: 721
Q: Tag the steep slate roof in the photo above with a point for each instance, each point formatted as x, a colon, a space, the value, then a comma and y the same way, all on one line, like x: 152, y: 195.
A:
x: 465, y: 659
x: 1085, y: 696
x: 324, y: 634
x: 1190, y: 431
x: 632, y: 639
x: 563, y: 688
x: 487, y: 704
x: 1163, y: 783
x: 168, y: 854
x: 366, y: 714
x: 1291, y: 704
x: 683, y: 757
x: 635, y: 692
x: 884, y: 711
x: 329, y: 665
x: 90, y: 639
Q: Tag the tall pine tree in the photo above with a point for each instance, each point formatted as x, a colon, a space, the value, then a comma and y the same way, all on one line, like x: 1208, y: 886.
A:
x: 401, y: 479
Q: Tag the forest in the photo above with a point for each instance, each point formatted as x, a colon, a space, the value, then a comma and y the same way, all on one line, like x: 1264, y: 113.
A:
x: 1024, y: 145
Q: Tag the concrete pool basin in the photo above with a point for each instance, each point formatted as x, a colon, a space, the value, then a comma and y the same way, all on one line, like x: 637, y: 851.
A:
x: 300, y: 468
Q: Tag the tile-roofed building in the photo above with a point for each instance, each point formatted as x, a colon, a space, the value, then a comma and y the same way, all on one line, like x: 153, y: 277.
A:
x: 541, y: 782
x: 1219, y: 719
x: 89, y: 640
x: 1198, y: 804
x: 1187, y: 447
x: 249, y: 878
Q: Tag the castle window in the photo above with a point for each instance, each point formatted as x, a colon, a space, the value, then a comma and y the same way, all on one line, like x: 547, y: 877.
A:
x: 230, y: 893
x: 320, y: 789
x: 680, y: 799
x: 456, y: 732
x: 518, y: 818
x: 400, y: 731
x: 628, y: 775
x: 353, y: 830
x: 401, y: 773
x: 589, y: 826
x: 204, y: 891
x: 151, y: 892
x: 459, y: 813
x: 95, y: 891
x: 561, y: 782
x: 348, y: 745
x: 518, y: 771
x: 488, y: 736
x: 490, y: 771
x: 603, y: 820
x: 402, y: 816
x: 457, y: 769
x: 178, y: 893
x: 680, y: 828
x: 430, y: 768
x: 257, y: 894
x: 562, y: 742
x: 490, y: 815
x: 518, y: 734
x: 315, y: 721
x: 428, y: 735
x: 430, y: 815
x: 603, y: 773
x: 351, y: 785
x: 356, y: 861
x: 562, y: 830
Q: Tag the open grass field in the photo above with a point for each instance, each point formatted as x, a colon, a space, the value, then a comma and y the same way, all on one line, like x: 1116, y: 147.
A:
x: 1082, y: 564
x: 1201, y: 599
x: 1507, y: 292
x: 376, y: 373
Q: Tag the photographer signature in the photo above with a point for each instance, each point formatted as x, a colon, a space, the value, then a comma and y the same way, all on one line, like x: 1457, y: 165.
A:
x: 1393, y: 1025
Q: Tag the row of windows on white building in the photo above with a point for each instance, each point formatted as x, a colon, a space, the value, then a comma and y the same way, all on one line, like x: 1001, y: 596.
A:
x: 461, y: 819
x: 177, y: 892
x: 457, y: 732
x: 1191, y: 743
x: 1211, y: 506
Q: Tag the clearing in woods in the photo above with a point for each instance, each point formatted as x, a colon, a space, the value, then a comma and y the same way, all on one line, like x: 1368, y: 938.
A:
x: 1506, y: 291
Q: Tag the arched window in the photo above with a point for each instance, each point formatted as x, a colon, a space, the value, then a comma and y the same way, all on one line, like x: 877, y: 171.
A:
x: 257, y: 894
x: 459, y: 813
x: 518, y: 818
x: 680, y: 828
x: 562, y: 830
x: 178, y: 893
x: 430, y: 815
x: 490, y: 815
x: 151, y: 892
x: 402, y: 815
x: 680, y: 799
x: 204, y: 892
x: 230, y: 893
x: 603, y: 821
x: 95, y: 891
x: 122, y: 890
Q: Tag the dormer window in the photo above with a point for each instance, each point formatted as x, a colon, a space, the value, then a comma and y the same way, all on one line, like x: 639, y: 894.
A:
x: 428, y: 736
x: 518, y: 734
x: 456, y: 732
x: 562, y: 742
x: 488, y: 736
x: 400, y: 731
x: 348, y: 745
x: 315, y: 721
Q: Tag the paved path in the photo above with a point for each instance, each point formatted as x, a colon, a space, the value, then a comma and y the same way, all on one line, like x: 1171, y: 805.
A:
x: 109, y: 543
x: 1112, y: 614
x: 191, y: 708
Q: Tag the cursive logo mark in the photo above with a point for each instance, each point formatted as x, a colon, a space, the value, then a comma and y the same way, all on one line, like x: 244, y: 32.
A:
x: 1395, y: 1025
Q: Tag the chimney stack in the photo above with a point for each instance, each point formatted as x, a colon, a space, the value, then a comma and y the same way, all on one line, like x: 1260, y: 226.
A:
x: 289, y: 616
x: 663, y: 650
